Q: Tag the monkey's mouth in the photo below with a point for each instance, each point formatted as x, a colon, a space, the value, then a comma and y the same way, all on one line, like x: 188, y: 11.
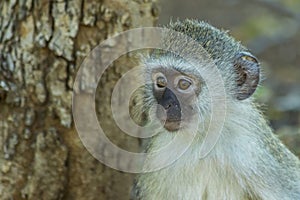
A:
x: 171, y: 125
x: 171, y: 119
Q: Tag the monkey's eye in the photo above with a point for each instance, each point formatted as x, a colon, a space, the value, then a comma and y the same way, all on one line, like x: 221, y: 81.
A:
x: 184, y: 84
x: 161, y: 82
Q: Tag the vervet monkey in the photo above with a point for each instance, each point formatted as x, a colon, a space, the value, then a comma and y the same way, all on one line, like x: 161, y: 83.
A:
x: 248, y: 161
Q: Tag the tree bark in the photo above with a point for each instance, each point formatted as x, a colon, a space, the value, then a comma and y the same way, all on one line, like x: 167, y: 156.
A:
x: 42, y: 44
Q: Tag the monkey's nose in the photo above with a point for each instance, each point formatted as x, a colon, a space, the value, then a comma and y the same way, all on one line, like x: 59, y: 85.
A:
x: 169, y: 100
x: 170, y: 104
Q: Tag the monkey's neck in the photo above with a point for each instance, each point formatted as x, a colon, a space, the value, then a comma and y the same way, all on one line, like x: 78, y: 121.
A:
x: 231, y: 170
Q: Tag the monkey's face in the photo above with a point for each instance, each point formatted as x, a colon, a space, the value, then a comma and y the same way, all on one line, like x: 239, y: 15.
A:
x: 176, y: 94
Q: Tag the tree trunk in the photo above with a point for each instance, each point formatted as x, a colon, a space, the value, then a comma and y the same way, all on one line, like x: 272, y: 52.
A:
x: 42, y: 44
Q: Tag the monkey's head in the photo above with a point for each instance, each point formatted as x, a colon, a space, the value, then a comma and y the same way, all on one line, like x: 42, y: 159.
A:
x: 181, y: 91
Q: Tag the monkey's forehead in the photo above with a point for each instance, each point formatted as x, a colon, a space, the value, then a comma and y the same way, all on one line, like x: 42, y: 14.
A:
x: 167, y: 60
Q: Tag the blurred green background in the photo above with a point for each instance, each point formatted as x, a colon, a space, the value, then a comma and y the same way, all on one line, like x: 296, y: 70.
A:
x: 271, y: 30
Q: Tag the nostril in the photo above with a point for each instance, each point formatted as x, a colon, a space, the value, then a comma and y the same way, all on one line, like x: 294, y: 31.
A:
x: 168, y: 106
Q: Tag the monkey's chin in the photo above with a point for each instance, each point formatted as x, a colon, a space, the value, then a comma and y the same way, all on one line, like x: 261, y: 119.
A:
x: 172, y: 126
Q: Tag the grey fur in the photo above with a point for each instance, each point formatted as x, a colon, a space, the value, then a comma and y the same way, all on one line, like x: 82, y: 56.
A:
x: 247, y: 163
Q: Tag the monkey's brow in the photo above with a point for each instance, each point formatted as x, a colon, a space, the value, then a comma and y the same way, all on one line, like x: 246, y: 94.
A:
x: 182, y: 70
x: 190, y: 73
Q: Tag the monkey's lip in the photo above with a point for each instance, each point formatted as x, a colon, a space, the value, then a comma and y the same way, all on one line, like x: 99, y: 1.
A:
x: 171, y: 125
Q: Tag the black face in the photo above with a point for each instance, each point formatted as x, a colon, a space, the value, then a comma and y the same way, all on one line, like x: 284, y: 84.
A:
x: 176, y: 94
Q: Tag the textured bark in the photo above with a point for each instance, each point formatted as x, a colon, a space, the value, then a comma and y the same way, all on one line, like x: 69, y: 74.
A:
x: 42, y: 43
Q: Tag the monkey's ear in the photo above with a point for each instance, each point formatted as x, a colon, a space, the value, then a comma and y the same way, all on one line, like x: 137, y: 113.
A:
x: 247, y: 68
